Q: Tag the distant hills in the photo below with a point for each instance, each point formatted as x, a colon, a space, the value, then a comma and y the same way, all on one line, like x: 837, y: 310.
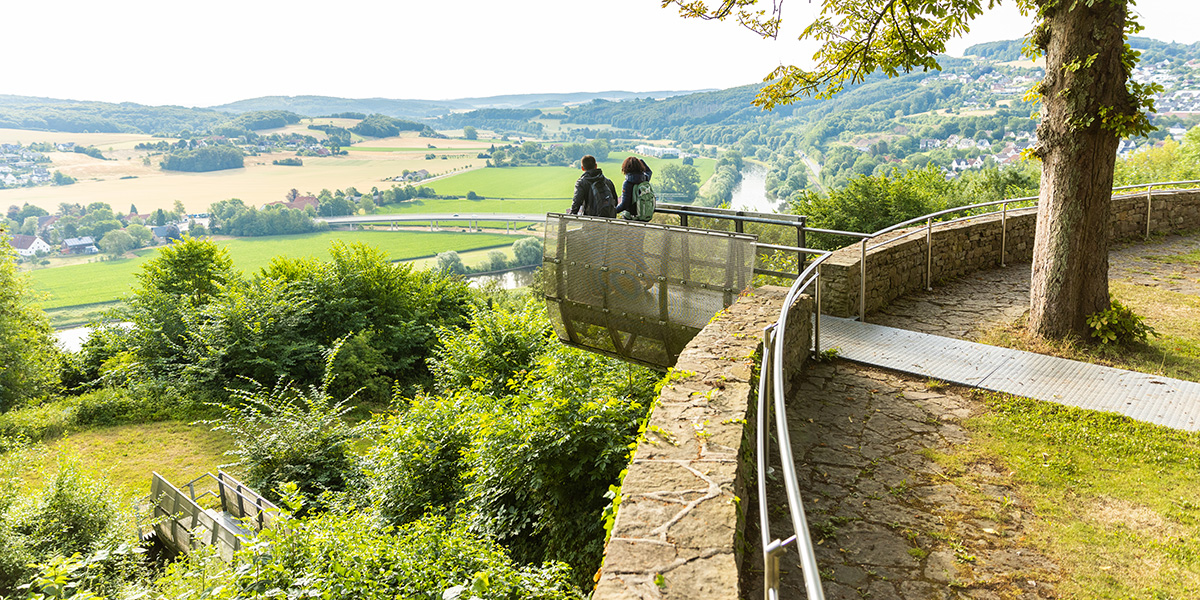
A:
x: 1153, y: 51
x: 425, y: 109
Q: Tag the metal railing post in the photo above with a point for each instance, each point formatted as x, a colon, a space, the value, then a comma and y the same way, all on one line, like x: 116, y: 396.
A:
x: 802, y: 242
x: 817, y: 316
x: 1149, y: 198
x: 771, y: 554
x: 929, y: 254
x: 683, y: 220
x: 1003, y: 233
x: 862, y: 281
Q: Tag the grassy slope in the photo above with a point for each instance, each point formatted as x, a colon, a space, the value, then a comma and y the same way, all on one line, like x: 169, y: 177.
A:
x: 128, y: 454
x: 106, y: 281
x: 1117, y: 502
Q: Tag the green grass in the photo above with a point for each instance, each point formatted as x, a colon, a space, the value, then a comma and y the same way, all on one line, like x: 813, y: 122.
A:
x: 126, y: 455
x: 1192, y: 257
x: 489, y: 205
x: 1116, y: 502
x: 1174, y: 353
x: 543, y: 182
x: 464, y: 150
x: 107, y: 281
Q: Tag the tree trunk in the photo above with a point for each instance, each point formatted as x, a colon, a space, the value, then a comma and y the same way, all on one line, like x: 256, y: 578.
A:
x: 1070, y: 250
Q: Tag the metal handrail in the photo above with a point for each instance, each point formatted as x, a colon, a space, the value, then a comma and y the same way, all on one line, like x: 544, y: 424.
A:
x: 773, y: 337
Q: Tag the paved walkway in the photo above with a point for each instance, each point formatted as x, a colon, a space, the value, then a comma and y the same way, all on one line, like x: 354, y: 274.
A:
x: 1149, y: 398
x: 889, y: 521
x: 968, y: 306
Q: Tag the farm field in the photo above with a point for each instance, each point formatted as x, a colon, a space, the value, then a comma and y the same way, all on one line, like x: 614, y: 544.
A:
x: 544, y: 182
x: 103, y: 141
x: 109, y: 280
x: 258, y: 183
x: 464, y: 206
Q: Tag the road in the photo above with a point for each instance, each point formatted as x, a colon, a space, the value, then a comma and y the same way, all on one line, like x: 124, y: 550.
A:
x: 396, y: 218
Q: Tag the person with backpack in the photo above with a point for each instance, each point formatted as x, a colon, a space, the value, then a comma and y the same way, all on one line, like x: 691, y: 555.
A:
x: 595, y: 194
x: 637, y: 195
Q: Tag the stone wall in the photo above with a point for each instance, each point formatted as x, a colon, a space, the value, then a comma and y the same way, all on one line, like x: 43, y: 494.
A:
x: 900, y: 267
x: 677, y: 531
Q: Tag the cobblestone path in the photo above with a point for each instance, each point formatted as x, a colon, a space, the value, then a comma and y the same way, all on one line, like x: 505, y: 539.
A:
x: 889, y: 521
x: 970, y: 305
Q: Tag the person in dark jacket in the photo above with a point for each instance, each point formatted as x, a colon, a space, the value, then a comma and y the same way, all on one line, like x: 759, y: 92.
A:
x: 636, y: 171
x: 583, y: 187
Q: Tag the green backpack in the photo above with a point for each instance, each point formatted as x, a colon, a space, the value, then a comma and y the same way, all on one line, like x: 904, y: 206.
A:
x: 643, y: 195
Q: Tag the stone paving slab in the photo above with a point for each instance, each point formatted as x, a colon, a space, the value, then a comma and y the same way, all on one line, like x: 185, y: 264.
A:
x: 888, y: 520
x: 1150, y: 398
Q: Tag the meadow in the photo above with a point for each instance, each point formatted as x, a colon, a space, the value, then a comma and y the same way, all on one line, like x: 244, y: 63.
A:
x: 545, y: 182
x: 107, y: 281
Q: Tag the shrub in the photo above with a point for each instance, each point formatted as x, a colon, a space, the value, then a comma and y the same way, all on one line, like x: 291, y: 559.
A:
x: 1119, y: 325
x: 339, y: 555
x: 72, y: 514
x: 286, y: 435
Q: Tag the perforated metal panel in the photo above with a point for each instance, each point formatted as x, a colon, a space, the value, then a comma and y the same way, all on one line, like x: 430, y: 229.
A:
x: 639, y: 291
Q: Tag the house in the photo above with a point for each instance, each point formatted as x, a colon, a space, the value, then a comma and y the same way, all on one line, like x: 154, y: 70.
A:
x: 80, y: 245
x: 299, y: 203
x: 29, y: 245
x: 66, y: 147
x: 656, y: 151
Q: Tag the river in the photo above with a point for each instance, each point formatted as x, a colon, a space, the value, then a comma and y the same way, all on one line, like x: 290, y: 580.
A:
x: 751, y: 193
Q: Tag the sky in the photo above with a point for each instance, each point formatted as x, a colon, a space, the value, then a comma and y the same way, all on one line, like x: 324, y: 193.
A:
x: 218, y: 51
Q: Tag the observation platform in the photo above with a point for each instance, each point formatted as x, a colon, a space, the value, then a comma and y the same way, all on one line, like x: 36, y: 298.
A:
x: 639, y: 291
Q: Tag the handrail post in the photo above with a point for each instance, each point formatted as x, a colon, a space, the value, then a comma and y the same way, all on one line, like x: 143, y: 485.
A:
x: 771, y: 555
x: 801, y: 242
x: 1003, y: 233
x: 862, y: 281
x: 770, y: 581
x: 929, y: 253
x: 1149, y: 198
x: 817, y: 316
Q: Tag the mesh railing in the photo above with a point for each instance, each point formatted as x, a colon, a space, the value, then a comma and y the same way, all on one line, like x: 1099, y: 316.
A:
x: 639, y: 291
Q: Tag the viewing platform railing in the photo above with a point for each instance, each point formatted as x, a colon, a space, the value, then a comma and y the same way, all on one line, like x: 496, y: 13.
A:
x: 772, y: 377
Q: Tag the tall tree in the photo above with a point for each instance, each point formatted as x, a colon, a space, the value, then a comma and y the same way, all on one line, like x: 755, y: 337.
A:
x: 28, y: 357
x: 1089, y: 100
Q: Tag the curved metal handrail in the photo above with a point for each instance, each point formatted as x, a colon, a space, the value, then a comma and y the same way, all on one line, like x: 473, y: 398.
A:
x: 773, y: 361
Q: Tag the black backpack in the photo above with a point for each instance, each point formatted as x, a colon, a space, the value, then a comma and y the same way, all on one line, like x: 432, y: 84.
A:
x: 601, y: 201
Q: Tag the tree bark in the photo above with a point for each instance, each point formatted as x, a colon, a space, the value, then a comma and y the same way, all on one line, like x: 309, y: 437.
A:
x: 1078, y: 152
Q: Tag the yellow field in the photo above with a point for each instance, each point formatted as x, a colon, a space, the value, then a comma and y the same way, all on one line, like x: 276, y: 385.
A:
x: 410, y: 139
x: 99, y: 140
x: 258, y: 183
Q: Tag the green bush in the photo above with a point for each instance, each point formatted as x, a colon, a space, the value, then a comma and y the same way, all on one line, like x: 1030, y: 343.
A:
x: 288, y: 435
x: 338, y: 555
x: 72, y: 514
x: 1119, y: 325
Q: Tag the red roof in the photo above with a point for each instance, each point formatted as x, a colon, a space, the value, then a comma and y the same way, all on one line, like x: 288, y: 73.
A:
x: 22, y: 242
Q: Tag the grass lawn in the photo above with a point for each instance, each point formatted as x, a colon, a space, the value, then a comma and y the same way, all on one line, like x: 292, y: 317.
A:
x: 1116, y: 502
x: 107, y: 281
x: 544, y: 182
x: 126, y: 455
x: 1174, y: 353
x: 488, y: 205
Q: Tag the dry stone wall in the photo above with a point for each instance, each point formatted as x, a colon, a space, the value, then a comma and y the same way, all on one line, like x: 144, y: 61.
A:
x: 677, y: 530
x: 902, y: 267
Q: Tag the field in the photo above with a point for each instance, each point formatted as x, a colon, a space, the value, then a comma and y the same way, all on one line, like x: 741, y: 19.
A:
x: 544, y: 182
x: 258, y: 183
x: 109, y: 280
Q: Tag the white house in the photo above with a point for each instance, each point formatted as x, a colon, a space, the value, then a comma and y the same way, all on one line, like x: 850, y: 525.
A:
x: 29, y: 245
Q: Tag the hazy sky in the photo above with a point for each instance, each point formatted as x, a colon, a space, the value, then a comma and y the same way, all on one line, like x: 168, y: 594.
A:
x: 206, y: 53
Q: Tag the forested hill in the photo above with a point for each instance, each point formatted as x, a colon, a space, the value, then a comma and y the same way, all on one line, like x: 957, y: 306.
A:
x: 315, y: 106
x: 51, y: 114
x: 426, y: 109
x: 1153, y: 51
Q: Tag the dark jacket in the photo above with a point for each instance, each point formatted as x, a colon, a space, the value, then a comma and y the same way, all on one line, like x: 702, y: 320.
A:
x: 583, y: 189
x: 628, y: 202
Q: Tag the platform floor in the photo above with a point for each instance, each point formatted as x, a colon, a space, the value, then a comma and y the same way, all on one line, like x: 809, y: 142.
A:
x: 1150, y: 398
